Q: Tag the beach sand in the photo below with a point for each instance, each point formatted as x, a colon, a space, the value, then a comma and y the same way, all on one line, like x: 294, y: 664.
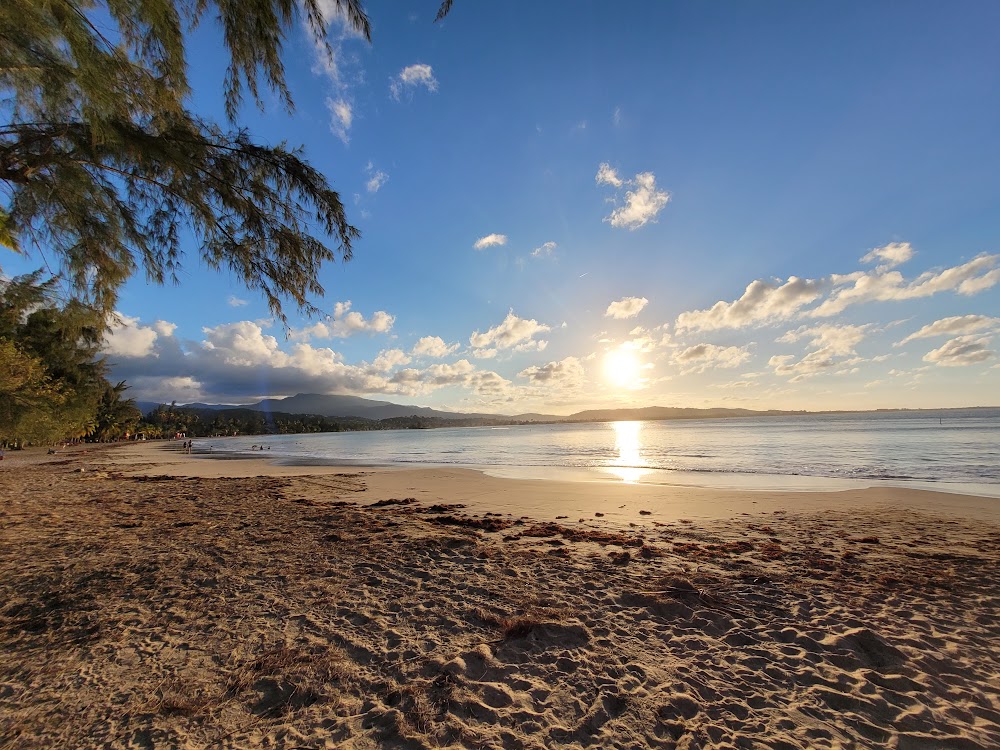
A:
x: 150, y: 599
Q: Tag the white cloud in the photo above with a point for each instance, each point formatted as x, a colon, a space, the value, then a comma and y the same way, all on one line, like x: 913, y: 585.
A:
x: 643, y: 202
x: 616, y: 118
x: 838, y: 340
x: 484, y: 353
x: 508, y: 334
x: 164, y: 328
x: 766, y: 302
x: 344, y: 323
x: 649, y: 339
x: 834, y: 351
x: 412, y: 76
x: 534, y: 345
x: 544, y: 250
x: 433, y: 346
x: 233, y: 301
x: 376, y: 178
x: 490, y: 240
x: 341, y: 117
x: 762, y: 302
x: 703, y: 357
x: 126, y: 337
x: 390, y: 358
x: 891, y: 255
x: 958, y: 324
x: 626, y: 307
x: 606, y: 175
x: 237, y: 362
x: 961, y: 351
x: 564, y: 374
x: 980, y: 284
x: 969, y: 278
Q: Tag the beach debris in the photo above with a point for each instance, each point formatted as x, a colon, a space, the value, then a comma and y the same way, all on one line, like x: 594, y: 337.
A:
x: 482, y: 524
x: 392, y: 501
x: 442, y: 508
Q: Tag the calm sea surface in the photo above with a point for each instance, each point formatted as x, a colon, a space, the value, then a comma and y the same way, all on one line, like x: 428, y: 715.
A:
x: 957, y: 450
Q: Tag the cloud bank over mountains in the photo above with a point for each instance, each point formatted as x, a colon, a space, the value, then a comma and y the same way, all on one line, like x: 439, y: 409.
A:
x: 797, y: 339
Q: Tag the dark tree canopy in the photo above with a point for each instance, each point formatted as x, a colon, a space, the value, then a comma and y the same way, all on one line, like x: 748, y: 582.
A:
x: 103, y: 164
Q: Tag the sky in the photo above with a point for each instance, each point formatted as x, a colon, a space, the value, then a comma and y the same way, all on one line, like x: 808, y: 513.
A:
x: 567, y: 206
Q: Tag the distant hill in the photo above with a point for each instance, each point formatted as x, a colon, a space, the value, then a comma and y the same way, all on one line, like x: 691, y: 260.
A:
x: 331, y: 406
x: 348, y: 407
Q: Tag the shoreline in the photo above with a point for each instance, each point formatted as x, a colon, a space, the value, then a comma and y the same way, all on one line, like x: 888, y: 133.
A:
x: 153, y: 598
x: 546, y: 499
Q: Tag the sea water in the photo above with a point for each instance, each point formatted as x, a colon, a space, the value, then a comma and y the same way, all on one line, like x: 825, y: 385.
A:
x: 951, y: 449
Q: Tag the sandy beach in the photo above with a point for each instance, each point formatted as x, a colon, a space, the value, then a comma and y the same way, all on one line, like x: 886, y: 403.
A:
x: 151, y: 599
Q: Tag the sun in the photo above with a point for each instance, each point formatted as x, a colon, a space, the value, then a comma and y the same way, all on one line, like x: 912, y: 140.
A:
x: 623, y: 368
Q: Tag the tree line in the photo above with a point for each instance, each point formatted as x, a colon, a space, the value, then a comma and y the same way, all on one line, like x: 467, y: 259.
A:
x: 169, y: 420
x: 53, y: 383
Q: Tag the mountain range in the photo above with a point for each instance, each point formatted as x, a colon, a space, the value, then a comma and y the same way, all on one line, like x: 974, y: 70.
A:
x: 365, y: 408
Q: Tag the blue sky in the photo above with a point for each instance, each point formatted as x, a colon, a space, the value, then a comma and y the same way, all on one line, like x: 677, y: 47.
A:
x: 671, y: 201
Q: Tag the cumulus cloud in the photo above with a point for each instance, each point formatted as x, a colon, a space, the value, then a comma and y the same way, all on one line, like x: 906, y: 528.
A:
x: 833, y: 351
x: 126, y: 337
x: 837, y: 339
x: 484, y: 353
x: 626, y: 307
x: 535, y: 345
x: 389, y: 359
x: 239, y: 362
x: 566, y: 373
x: 970, y: 278
x: 957, y: 324
x: 508, y: 334
x: 433, y: 346
x: 233, y: 301
x: 643, y: 201
x: 345, y: 323
x: 490, y: 240
x: 410, y: 78
x: 768, y: 302
x: 164, y: 328
x: 544, y: 250
x: 889, y: 256
x: 702, y: 357
x: 649, y: 339
x: 762, y: 302
x: 608, y: 176
x: 961, y: 351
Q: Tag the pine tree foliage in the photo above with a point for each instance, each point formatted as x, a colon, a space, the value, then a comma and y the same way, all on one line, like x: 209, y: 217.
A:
x: 102, y: 162
x: 52, y: 379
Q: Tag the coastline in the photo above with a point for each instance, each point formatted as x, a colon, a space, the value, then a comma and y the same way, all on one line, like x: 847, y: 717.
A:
x: 487, y: 490
x: 154, y: 598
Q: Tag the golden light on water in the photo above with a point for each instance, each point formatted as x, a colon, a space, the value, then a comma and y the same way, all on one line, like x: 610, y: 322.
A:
x: 623, y: 368
x: 628, y: 443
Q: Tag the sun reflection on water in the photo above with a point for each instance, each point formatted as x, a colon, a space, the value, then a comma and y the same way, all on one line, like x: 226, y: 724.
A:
x: 628, y: 442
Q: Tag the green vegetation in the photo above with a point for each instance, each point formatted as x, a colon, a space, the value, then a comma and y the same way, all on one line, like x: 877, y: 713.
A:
x: 104, y: 165
x: 52, y: 382
x: 166, y: 421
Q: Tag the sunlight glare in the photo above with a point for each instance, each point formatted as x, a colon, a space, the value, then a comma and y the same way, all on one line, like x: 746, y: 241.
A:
x: 623, y: 368
x: 630, y: 463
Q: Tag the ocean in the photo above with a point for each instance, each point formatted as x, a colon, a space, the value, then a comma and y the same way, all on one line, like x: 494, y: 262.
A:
x: 955, y: 450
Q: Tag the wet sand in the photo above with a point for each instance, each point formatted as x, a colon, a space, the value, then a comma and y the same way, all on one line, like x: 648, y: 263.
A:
x: 154, y: 599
